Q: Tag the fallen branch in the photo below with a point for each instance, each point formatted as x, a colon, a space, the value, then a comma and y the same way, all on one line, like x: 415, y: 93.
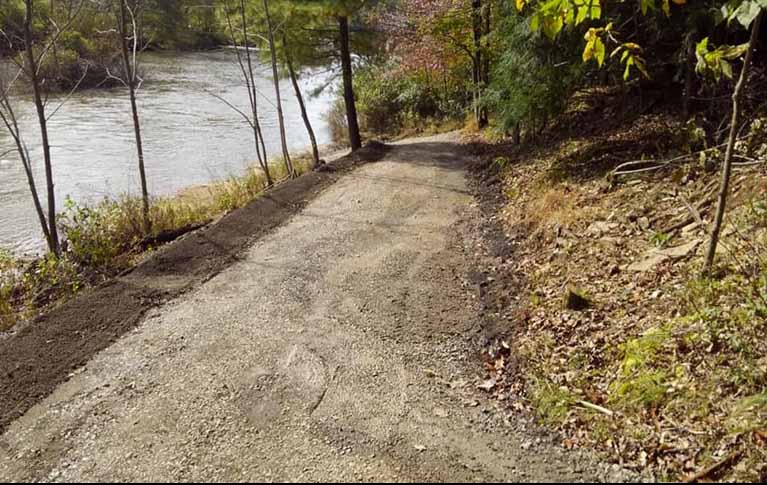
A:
x: 693, y: 211
x: 707, y: 201
x: 726, y: 461
x: 659, y: 164
x: 594, y: 407
x: 709, y: 192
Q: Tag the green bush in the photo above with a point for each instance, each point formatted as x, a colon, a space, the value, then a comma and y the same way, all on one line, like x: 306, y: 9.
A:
x: 531, y: 81
x: 390, y: 100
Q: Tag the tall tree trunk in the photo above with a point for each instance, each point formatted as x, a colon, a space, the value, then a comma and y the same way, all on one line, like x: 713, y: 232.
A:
x: 477, y: 29
x: 263, y: 157
x: 285, y: 155
x: 727, y: 169
x: 488, y: 11
x: 517, y: 134
x: 53, y: 244
x: 11, y: 124
x: 130, y: 75
x: 355, y: 141
x: 300, y: 98
x: 689, y: 75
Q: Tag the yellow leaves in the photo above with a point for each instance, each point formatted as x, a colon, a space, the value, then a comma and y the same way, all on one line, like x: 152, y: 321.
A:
x: 520, y: 4
x: 717, y: 61
x: 631, y: 57
x: 646, y: 5
x: 585, y: 9
x: 595, y: 48
x: 551, y: 16
x: 552, y: 26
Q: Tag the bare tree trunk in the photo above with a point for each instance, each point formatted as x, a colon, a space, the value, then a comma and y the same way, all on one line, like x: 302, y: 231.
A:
x: 254, y: 100
x: 129, y: 61
x: 488, y: 11
x: 300, y: 98
x: 477, y: 28
x: 727, y: 169
x: 355, y: 141
x: 689, y: 75
x: 517, y: 134
x: 281, y: 120
x: 250, y: 85
x: 53, y: 243
x: 8, y: 116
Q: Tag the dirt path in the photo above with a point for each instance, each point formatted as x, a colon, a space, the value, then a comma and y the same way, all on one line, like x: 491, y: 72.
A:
x: 340, y: 347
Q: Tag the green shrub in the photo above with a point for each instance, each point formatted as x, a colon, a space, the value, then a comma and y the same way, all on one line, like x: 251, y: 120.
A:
x: 391, y: 100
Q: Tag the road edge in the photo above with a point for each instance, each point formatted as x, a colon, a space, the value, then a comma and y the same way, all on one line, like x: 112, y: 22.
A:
x: 41, y: 354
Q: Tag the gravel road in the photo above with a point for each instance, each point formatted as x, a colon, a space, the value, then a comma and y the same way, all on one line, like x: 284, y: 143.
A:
x: 342, y: 346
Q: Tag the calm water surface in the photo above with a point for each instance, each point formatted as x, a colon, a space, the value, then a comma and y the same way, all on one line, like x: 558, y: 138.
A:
x: 190, y: 137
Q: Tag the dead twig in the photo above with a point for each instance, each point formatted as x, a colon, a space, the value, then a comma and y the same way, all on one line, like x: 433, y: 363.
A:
x: 726, y: 461
x: 659, y: 164
x: 693, y: 211
x: 594, y: 407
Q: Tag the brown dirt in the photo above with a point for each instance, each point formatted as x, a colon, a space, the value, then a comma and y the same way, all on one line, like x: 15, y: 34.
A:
x: 39, y: 355
x: 338, y: 347
x: 572, y: 226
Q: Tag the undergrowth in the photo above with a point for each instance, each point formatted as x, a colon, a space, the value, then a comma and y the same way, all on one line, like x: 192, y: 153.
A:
x: 671, y: 366
x: 104, y: 239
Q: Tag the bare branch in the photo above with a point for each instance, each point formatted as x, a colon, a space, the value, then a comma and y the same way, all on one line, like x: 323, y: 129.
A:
x: 76, y: 86
x: 235, y: 108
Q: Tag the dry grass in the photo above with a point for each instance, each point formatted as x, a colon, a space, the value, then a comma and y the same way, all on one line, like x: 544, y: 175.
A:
x: 678, y: 359
x: 109, y: 237
x: 554, y: 207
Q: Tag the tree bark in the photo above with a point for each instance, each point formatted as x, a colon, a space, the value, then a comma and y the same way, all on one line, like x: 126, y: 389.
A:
x: 300, y: 98
x: 11, y: 124
x: 477, y: 29
x: 355, y: 140
x: 263, y: 157
x: 689, y: 75
x: 130, y: 74
x: 727, y: 169
x: 488, y: 11
x: 285, y: 155
x: 54, y: 244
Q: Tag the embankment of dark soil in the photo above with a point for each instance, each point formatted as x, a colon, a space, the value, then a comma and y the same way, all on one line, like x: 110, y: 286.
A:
x: 39, y: 355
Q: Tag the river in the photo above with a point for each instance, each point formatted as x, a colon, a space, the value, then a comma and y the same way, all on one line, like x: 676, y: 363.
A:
x: 190, y: 137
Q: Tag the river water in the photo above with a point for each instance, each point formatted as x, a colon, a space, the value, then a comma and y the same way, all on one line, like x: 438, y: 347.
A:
x: 190, y: 137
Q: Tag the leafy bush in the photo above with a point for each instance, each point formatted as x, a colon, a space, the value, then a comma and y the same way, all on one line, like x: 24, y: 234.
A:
x: 531, y: 81
x: 337, y: 124
x: 390, y: 100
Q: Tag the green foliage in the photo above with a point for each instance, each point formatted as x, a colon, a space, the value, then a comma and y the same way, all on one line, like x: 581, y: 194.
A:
x: 717, y: 61
x: 643, y: 379
x: 531, y: 79
x: 107, y: 236
x: 389, y: 100
x: 744, y: 11
x: 27, y: 286
x: 749, y: 414
x: 660, y: 239
x: 551, y: 401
